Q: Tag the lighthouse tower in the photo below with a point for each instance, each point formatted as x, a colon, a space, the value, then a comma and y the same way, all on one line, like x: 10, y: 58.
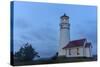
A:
x: 64, y: 34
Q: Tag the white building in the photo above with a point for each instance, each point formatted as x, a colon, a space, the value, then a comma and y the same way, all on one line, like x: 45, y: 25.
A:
x: 64, y: 34
x: 75, y: 48
x: 78, y: 48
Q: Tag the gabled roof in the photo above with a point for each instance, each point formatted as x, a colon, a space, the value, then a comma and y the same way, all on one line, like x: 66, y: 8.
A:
x: 75, y: 43
x: 88, y: 45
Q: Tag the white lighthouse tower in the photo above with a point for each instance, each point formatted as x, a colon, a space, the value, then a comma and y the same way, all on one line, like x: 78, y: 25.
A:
x: 64, y: 34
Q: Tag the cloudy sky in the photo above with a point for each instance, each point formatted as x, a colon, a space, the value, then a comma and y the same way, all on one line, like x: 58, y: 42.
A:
x: 38, y: 24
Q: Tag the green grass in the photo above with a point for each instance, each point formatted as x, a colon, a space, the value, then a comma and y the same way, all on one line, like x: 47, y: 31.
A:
x: 58, y: 60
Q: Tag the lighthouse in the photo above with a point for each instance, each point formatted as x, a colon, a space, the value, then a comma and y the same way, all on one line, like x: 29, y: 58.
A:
x: 64, y: 34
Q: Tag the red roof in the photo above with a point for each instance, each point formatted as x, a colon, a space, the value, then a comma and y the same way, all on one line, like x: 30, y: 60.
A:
x: 75, y: 43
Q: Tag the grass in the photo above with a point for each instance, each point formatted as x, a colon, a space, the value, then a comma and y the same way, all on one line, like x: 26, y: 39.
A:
x: 58, y: 60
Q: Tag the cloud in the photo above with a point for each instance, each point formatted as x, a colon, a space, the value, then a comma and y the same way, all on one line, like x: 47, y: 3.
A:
x: 43, y: 40
x: 21, y: 23
x: 40, y: 25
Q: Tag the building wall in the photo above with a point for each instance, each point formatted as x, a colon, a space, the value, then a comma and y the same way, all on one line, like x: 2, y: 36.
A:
x: 64, y: 36
x: 64, y: 39
x: 83, y: 52
x: 74, y: 52
x: 88, y: 52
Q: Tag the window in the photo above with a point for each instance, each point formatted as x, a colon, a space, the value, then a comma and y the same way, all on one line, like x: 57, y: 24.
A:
x: 78, y: 51
x: 69, y: 51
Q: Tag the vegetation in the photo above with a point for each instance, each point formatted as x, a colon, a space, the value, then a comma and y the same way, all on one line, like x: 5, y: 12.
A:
x: 26, y: 53
x: 58, y: 60
x: 55, y: 56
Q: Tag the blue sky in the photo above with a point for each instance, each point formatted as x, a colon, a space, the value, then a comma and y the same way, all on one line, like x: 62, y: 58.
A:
x: 38, y: 24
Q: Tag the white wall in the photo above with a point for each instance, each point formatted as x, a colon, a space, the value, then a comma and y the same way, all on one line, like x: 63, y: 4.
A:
x: 64, y: 39
x: 74, y: 52
x: 88, y: 52
x: 83, y: 52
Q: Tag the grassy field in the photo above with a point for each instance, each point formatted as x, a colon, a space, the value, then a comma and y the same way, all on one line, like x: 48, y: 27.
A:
x: 58, y: 60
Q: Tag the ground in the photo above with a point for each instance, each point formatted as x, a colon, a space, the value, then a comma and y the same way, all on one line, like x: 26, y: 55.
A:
x: 58, y: 60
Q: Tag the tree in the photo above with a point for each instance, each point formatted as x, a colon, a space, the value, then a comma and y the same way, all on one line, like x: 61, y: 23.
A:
x: 26, y: 53
x: 55, y: 56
